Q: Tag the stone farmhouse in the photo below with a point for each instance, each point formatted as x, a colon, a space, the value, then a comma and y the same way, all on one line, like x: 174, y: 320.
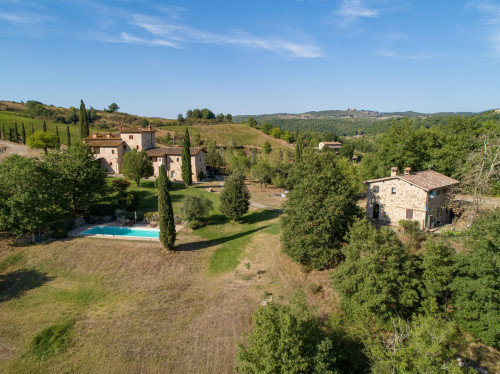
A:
x: 333, y: 145
x: 417, y: 196
x: 111, y: 147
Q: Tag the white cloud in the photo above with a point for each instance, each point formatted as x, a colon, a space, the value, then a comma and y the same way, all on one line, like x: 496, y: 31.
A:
x: 350, y: 10
x: 21, y: 19
x: 172, y: 33
x: 491, y: 13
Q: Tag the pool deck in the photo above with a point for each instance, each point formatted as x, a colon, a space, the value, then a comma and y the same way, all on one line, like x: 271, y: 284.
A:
x: 79, y: 231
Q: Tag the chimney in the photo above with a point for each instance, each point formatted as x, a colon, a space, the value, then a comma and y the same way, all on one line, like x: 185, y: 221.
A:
x: 121, y: 127
x: 394, y: 171
x: 94, y: 135
x: 407, y: 171
x: 108, y: 136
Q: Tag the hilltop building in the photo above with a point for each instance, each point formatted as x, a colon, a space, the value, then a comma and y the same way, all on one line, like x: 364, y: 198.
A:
x: 111, y: 147
x: 417, y: 196
x: 333, y: 145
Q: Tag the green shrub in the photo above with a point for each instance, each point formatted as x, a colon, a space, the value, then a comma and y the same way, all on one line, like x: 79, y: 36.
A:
x: 195, y: 224
x: 52, y: 339
x: 151, y: 216
x: 195, y: 208
x: 102, y: 208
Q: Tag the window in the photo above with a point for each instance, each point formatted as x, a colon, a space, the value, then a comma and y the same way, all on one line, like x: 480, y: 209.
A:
x: 153, y: 159
x: 177, y: 159
x: 124, y: 146
x: 172, y: 174
x: 131, y: 136
x: 376, y: 211
x: 409, y: 213
x: 394, y: 190
x: 375, y: 189
x: 112, y: 151
x: 137, y: 147
x: 110, y: 164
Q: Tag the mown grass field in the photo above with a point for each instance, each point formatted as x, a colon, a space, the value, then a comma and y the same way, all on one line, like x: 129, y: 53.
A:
x: 8, y: 119
x: 222, y: 133
x: 125, y: 306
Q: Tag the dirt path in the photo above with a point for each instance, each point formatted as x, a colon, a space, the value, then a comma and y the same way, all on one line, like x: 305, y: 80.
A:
x: 15, y: 148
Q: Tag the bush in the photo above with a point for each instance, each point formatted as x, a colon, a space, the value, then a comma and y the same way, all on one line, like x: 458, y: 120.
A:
x: 196, y: 208
x: 151, y: 216
x: 195, y: 224
x: 104, y: 208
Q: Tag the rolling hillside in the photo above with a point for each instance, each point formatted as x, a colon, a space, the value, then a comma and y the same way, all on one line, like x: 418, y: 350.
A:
x: 222, y: 133
x: 243, y: 135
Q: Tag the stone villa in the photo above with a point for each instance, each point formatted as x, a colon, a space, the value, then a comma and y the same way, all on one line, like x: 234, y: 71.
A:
x: 417, y: 196
x: 111, y: 147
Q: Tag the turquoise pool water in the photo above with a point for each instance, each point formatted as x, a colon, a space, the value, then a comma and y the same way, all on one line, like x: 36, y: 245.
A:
x: 123, y: 231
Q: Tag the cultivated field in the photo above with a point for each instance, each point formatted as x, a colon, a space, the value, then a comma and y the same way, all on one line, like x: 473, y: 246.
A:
x: 222, y: 133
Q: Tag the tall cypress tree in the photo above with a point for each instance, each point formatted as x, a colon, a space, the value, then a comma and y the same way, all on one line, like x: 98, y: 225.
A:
x: 4, y: 135
x: 68, y: 137
x: 24, y: 134
x: 44, y: 126
x: 32, y: 129
x: 165, y: 212
x: 58, y: 138
x: 187, y: 176
x: 11, y: 134
x: 84, y: 121
x: 16, y: 133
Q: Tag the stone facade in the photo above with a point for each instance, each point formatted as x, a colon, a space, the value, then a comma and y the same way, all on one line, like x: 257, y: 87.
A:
x: 111, y: 158
x: 171, y: 160
x: 412, y: 196
x: 143, y: 140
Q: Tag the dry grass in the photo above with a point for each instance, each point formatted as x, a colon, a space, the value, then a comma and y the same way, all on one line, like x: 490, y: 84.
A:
x: 138, y: 308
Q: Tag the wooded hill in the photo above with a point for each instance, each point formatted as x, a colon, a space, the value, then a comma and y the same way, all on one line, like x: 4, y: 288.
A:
x: 352, y: 122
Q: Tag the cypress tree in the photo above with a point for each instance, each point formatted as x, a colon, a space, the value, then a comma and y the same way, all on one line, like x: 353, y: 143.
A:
x: 165, y: 212
x: 3, y: 133
x: 24, y: 134
x: 68, y: 137
x: 84, y: 121
x: 16, y: 133
x: 187, y: 173
x: 44, y: 126
x: 32, y: 129
x: 58, y: 138
x: 11, y: 136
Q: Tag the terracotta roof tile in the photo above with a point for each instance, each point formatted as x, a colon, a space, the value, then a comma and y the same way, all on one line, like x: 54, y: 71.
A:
x: 172, y: 151
x: 130, y: 131
x: 428, y: 180
x: 103, y: 142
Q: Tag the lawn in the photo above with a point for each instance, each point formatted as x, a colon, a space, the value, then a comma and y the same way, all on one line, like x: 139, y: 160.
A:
x: 91, y: 305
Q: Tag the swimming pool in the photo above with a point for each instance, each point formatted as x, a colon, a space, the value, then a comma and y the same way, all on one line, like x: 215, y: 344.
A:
x: 123, y: 231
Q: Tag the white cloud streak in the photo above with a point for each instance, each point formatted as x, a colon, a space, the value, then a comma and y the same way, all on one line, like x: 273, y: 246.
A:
x: 492, y: 22
x: 21, y: 19
x: 174, y: 34
x: 351, y: 10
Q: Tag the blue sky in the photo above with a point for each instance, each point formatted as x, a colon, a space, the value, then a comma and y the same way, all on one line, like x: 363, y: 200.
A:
x: 160, y: 58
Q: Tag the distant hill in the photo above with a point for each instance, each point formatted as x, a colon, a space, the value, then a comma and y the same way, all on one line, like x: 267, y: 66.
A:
x: 352, y: 121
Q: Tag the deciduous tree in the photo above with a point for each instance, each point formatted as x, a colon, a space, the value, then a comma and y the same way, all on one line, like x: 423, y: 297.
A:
x: 319, y: 210
x: 43, y: 140
x: 137, y: 165
x: 266, y: 148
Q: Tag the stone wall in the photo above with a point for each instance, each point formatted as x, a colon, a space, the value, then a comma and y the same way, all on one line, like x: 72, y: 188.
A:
x: 393, y: 207
x: 139, y: 141
x: 173, y: 163
x: 111, y: 158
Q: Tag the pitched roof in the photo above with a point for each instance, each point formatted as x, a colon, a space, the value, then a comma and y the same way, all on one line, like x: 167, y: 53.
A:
x: 103, y: 142
x: 427, y: 180
x: 106, y: 135
x: 130, y: 131
x: 172, y: 151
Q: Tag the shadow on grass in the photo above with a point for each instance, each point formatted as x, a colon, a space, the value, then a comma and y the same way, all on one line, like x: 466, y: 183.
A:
x: 260, y: 216
x: 193, y: 246
x: 16, y: 283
